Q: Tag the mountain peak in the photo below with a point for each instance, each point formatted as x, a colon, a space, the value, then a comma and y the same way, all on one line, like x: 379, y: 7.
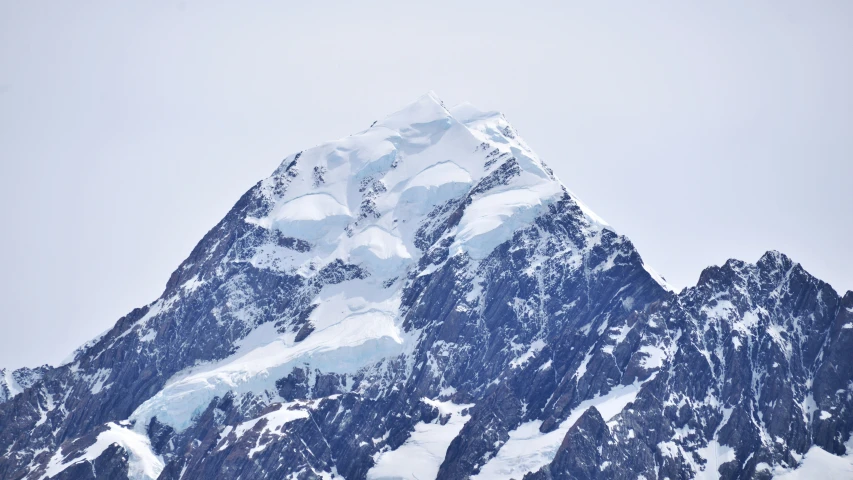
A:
x: 377, y: 208
x: 395, y: 173
x: 425, y: 299
x: 775, y: 259
x: 427, y: 108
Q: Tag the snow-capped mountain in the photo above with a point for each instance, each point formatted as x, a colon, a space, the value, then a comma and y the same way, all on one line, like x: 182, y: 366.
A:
x: 424, y: 299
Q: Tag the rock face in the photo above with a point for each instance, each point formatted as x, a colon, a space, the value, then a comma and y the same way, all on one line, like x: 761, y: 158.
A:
x: 13, y: 382
x: 424, y: 299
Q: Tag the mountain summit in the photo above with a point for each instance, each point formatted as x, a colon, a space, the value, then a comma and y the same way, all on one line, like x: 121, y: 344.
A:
x: 424, y: 299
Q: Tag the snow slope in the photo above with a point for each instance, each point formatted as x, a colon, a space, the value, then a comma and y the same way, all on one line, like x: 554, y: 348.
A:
x: 817, y: 463
x: 529, y: 450
x: 421, y: 455
x: 144, y: 463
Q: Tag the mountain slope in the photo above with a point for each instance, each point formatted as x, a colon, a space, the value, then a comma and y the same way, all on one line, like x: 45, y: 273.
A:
x: 425, y: 299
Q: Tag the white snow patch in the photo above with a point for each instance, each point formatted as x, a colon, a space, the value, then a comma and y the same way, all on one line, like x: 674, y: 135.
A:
x: 11, y: 383
x: 421, y: 455
x: 447, y: 391
x: 777, y: 333
x: 97, y: 380
x: 528, y: 449
x: 439, y: 174
x: 143, y: 462
x: 535, y: 348
x: 192, y: 284
x: 670, y: 449
x: 714, y: 453
x: 353, y: 329
x: 579, y: 373
x: 309, y: 217
x: 375, y: 249
x: 618, y: 334
x: 435, y: 185
x: 654, y: 358
x: 722, y: 310
x: 817, y: 463
x: 747, y: 323
x: 809, y: 406
x: 492, y: 219
x: 659, y: 279
x: 736, y: 342
x: 149, y: 335
x: 276, y: 419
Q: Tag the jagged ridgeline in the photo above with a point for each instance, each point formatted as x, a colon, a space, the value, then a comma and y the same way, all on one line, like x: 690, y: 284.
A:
x: 424, y: 299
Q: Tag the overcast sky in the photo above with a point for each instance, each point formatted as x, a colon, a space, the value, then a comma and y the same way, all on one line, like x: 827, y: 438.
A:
x: 701, y: 130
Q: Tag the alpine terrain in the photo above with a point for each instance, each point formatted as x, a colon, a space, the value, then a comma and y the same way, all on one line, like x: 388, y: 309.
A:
x: 425, y: 299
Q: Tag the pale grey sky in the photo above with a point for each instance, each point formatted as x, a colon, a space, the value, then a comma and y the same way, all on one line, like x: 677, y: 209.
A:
x: 702, y: 130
